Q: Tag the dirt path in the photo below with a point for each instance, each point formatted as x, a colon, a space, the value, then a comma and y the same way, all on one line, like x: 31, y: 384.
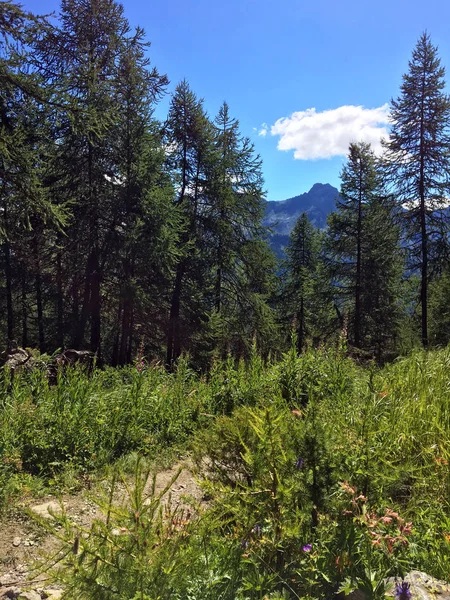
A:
x: 23, y: 541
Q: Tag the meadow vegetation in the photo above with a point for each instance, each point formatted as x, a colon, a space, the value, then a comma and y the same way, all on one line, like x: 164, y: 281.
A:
x: 320, y: 474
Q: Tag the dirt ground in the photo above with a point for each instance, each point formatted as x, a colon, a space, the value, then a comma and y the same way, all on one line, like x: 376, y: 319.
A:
x: 23, y: 541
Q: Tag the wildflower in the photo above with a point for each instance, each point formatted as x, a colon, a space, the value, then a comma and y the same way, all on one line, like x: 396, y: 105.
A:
x: 402, y: 591
x: 299, y: 464
x: 406, y: 528
x: 307, y: 548
x: 244, y: 544
x: 347, y: 488
x: 390, y: 542
x: 257, y: 529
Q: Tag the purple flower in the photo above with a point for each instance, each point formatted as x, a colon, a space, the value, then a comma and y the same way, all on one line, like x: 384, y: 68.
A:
x: 402, y: 591
x: 299, y: 464
x: 257, y: 529
x: 307, y: 548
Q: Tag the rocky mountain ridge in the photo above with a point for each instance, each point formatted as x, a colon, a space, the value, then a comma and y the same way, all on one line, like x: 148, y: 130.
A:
x: 282, y: 215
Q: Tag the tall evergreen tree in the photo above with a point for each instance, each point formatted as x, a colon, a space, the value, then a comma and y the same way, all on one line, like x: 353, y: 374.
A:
x: 364, y: 244
x: 306, y: 296
x: 189, y: 139
x: 235, y: 213
x: 440, y: 309
x: 24, y: 99
x: 418, y: 161
x: 141, y: 239
x: 85, y: 55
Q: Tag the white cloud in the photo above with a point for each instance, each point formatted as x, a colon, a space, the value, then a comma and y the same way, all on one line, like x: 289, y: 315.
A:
x: 264, y: 130
x: 430, y: 203
x: 313, y: 135
x: 114, y: 179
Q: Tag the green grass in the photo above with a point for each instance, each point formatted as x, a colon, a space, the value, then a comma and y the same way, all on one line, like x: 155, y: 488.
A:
x: 374, y: 446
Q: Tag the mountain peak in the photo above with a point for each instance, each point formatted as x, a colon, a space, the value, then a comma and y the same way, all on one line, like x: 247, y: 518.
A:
x: 320, y: 186
x: 281, y: 216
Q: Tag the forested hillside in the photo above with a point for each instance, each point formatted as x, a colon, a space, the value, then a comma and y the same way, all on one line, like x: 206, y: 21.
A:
x: 130, y: 236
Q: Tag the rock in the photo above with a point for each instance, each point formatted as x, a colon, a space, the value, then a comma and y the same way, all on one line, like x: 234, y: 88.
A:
x: 422, y: 586
x: 53, y: 594
x: 15, y: 357
x: 7, y: 579
x: 16, y: 542
x: 31, y: 595
x: 21, y: 568
x: 11, y: 593
x: 67, y: 358
x: 44, y: 510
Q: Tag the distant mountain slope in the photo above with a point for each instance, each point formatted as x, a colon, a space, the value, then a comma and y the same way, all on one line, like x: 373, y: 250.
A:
x: 281, y: 216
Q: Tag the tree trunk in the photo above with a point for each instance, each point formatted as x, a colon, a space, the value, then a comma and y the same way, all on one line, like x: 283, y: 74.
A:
x: 423, y: 227
x: 24, y: 312
x: 130, y: 337
x: 83, y: 318
x: 125, y: 329
x: 39, y: 303
x: 95, y: 306
x: 424, y: 275
x: 173, y: 337
x: 9, y: 302
x: 357, y: 340
x: 301, y: 326
x: 59, y: 303
x: 115, y: 351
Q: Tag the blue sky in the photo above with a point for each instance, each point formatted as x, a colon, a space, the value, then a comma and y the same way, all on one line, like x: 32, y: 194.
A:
x: 280, y: 64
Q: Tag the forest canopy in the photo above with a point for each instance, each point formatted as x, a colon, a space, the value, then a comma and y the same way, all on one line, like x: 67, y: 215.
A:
x: 131, y: 236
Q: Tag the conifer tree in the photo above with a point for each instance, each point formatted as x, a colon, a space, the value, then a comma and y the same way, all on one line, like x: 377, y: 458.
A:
x: 141, y: 248
x: 364, y: 244
x: 306, y: 294
x: 440, y: 309
x: 418, y: 162
x: 235, y: 213
x: 189, y: 139
x: 85, y: 54
x: 236, y: 208
x: 24, y: 98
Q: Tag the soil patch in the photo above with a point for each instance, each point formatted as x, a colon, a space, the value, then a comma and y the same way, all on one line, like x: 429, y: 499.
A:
x: 23, y: 540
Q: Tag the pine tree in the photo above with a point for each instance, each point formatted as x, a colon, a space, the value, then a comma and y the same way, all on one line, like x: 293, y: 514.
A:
x: 189, y: 139
x: 235, y: 213
x: 85, y: 55
x: 418, y: 162
x: 306, y: 294
x: 24, y: 100
x: 440, y: 309
x: 141, y: 249
x: 364, y: 245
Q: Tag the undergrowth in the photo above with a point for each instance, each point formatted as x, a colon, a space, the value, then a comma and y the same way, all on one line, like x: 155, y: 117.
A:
x: 320, y: 475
